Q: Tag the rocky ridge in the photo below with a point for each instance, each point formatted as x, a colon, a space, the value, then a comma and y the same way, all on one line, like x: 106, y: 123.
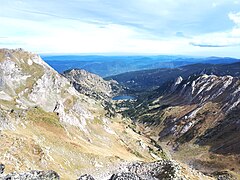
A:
x: 197, y: 117
x: 92, y: 85
x: 147, y: 80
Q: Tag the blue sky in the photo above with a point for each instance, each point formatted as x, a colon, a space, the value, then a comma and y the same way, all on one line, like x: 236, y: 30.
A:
x: 187, y: 27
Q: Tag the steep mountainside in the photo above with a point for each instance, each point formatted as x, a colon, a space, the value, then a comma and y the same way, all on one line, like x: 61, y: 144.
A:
x: 152, y: 79
x: 198, y: 117
x: 92, y: 85
x: 46, y: 124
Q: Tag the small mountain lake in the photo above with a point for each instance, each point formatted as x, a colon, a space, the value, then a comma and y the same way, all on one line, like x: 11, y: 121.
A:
x: 123, y: 97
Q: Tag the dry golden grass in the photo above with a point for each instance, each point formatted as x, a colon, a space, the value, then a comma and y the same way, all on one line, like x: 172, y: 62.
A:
x: 43, y: 144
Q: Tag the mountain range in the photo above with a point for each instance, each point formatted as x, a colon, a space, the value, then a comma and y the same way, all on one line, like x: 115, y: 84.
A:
x: 154, y: 78
x: 112, y: 65
x: 183, y: 123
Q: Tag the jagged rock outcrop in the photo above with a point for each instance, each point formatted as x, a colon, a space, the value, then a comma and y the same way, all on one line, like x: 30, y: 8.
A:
x: 2, y: 167
x: 164, y: 169
x: 85, y: 177
x: 124, y: 176
x: 31, y: 175
x: 92, y: 85
x: 224, y: 175
x: 159, y: 170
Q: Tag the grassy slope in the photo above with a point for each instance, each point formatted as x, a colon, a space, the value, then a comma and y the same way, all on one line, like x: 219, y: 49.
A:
x: 43, y: 145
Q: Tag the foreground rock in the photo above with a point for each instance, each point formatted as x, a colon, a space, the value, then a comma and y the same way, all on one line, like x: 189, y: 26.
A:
x: 124, y: 176
x: 224, y: 175
x: 163, y: 169
x: 85, y: 177
x: 2, y: 167
x: 34, y: 174
x: 160, y: 170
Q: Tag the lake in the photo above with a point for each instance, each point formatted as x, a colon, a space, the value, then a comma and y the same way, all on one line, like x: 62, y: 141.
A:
x: 123, y: 97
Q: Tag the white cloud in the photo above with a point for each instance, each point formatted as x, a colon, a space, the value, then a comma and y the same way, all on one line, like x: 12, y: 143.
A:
x: 129, y: 26
x: 229, y: 38
x: 236, y: 2
x: 235, y: 17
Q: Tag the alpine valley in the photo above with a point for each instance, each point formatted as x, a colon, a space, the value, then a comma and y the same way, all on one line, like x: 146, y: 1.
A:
x: 182, y: 124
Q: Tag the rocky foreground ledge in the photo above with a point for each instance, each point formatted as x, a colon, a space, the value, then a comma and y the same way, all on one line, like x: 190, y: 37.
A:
x: 164, y: 169
x: 160, y: 170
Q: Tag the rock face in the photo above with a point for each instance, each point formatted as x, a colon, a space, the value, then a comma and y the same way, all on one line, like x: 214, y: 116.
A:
x: 92, y: 85
x: 212, y: 96
x: 85, y: 177
x: 205, y: 96
x: 27, y: 81
x: 38, y: 175
x: 124, y: 176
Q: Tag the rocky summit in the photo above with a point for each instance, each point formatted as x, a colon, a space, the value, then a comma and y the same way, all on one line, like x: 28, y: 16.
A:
x: 91, y: 84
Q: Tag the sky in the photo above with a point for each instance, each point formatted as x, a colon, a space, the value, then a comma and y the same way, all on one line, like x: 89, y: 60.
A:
x: 174, y: 27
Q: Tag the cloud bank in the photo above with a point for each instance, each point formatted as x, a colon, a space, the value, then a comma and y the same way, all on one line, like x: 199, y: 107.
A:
x: 206, y: 27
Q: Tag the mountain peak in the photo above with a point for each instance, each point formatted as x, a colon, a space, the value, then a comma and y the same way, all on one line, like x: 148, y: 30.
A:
x: 91, y: 84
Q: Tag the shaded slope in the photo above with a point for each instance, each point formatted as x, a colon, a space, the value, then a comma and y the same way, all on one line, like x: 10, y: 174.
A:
x: 199, y: 110
x: 152, y: 79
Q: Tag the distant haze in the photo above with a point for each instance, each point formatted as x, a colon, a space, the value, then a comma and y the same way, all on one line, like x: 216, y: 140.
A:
x: 112, y: 65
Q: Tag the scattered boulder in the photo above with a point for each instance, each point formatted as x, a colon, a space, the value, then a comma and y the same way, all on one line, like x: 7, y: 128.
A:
x: 163, y: 169
x: 33, y: 175
x: 223, y: 175
x: 2, y: 167
x: 86, y: 177
x: 125, y: 176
